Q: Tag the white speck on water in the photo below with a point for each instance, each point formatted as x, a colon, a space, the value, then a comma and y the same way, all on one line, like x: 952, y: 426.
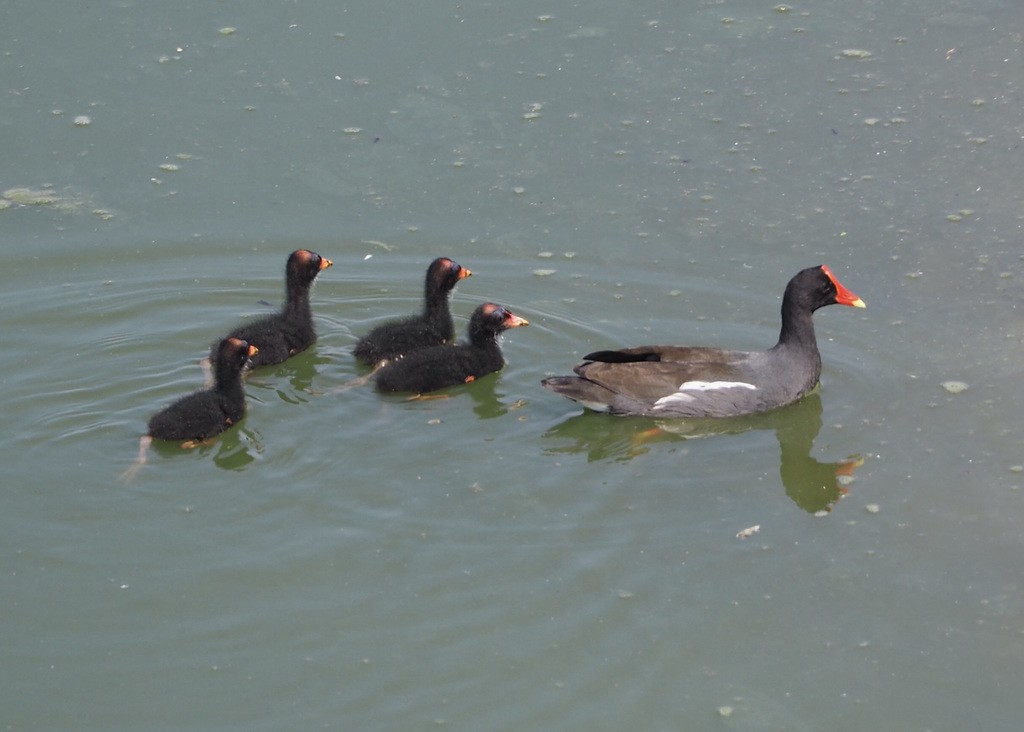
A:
x: 954, y: 387
x: 748, y: 532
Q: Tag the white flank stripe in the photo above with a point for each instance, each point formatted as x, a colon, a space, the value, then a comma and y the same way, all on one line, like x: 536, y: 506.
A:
x: 713, y: 385
x: 682, y: 396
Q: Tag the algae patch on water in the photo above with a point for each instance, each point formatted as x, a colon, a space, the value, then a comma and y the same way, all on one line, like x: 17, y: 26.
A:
x: 45, y: 196
x: 30, y: 196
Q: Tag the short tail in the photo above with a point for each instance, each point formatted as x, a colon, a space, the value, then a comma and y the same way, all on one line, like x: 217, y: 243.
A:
x: 587, y: 393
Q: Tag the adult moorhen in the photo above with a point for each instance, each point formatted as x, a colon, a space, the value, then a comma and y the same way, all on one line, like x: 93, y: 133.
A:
x: 429, y: 369
x: 432, y: 327
x: 682, y: 381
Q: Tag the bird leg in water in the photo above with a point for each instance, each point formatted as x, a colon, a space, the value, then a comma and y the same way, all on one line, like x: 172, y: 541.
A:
x: 358, y: 381
x: 140, y: 460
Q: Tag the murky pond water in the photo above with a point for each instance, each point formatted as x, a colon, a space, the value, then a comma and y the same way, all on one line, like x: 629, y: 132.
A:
x: 619, y: 175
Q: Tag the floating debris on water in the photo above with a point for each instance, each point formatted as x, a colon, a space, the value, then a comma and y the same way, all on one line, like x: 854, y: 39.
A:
x: 544, y: 272
x: 725, y: 711
x: 955, y: 387
x: 381, y: 244
x: 45, y: 196
x: 872, y: 508
x: 748, y: 532
x: 170, y: 167
x: 227, y: 30
x: 855, y: 53
x: 82, y: 120
x: 30, y: 196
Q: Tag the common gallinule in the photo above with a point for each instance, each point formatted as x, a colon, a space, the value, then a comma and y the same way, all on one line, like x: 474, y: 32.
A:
x: 280, y: 336
x: 432, y: 327
x: 429, y: 369
x: 681, y: 381
x: 205, y: 413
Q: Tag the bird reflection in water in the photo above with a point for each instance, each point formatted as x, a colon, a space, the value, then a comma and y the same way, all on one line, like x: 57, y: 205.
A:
x: 813, y: 485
